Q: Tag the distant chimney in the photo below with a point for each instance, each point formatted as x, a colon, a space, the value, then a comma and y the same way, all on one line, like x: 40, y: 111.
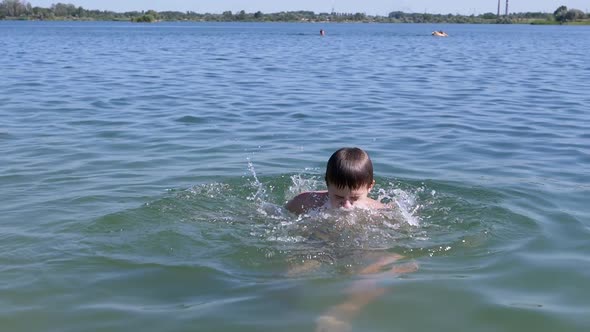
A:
x: 499, y: 8
x: 506, y: 8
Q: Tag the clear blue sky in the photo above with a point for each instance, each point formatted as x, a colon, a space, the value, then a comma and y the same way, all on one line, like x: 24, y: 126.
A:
x: 371, y: 7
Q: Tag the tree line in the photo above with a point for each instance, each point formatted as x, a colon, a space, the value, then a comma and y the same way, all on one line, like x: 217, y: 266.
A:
x: 563, y: 14
x: 21, y: 9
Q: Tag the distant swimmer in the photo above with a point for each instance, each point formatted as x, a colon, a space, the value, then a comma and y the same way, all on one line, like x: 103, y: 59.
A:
x: 439, y: 33
x: 322, y: 32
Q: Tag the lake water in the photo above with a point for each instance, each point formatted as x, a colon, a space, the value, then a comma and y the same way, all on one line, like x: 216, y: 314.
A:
x: 144, y: 168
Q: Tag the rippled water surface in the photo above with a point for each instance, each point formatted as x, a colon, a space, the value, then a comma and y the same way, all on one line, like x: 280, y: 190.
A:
x: 144, y: 169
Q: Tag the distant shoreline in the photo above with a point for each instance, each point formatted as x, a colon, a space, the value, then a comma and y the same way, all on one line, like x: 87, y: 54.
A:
x: 538, y: 22
x: 22, y: 10
x: 88, y: 19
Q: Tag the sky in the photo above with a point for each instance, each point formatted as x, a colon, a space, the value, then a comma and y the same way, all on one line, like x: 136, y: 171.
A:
x: 370, y: 7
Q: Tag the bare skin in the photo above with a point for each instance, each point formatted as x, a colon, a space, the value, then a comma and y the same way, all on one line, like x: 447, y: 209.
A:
x: 334, y: 198
x: 361, y: 293
x: 365, y: 290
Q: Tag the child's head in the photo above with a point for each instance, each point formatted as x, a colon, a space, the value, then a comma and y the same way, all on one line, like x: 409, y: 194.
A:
x: 349, y: 176
x: 349, y: 168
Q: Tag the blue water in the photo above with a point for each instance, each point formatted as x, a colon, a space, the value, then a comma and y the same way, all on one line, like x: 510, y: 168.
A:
x: 144, y: 170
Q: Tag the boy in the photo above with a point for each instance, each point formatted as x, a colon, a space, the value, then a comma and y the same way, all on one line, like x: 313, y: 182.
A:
x: 349, y: 177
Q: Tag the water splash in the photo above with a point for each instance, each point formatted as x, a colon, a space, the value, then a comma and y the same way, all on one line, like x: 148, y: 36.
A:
x: 261, y: 197
x: 406, y: 202
x: 260, y: 193
x: 244, y: 220
x: 300, y: 184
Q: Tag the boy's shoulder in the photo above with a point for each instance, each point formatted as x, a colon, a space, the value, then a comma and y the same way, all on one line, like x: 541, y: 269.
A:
x: 306, y: 201
x: 375, y: 204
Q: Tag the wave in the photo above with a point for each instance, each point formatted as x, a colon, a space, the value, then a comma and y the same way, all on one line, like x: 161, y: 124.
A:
x: 242, y: 223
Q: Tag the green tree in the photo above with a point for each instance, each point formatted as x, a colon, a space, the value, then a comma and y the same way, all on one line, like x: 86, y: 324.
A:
x: 560, y: 14
x: 14, y: 8
x: 227, y: 15
x: 574, y: 14
x: 359, y: 17
x: 64, y: 10
x: 397, y: 15
x: 146, y: 18
x: 489, y: 16
x: 153, y: 14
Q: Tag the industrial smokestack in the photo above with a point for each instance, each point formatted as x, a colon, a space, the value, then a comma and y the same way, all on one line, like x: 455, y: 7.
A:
x: 499, y: 8
x: 506, y: 8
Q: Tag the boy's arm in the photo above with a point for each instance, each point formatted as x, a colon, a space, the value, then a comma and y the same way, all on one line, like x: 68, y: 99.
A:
x: 305, y: 202
x: 297, y: 204
x: 361, y: 293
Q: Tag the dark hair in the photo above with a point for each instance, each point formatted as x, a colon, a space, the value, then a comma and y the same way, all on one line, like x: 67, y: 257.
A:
x: 349, y: 168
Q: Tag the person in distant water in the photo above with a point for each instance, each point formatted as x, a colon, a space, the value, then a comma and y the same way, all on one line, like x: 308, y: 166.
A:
x: 349, y: 177
x: 322, y: 32
x: 439, y: 33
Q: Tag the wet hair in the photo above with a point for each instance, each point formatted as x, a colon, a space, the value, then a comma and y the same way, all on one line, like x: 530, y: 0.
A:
x: 349, y: 168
